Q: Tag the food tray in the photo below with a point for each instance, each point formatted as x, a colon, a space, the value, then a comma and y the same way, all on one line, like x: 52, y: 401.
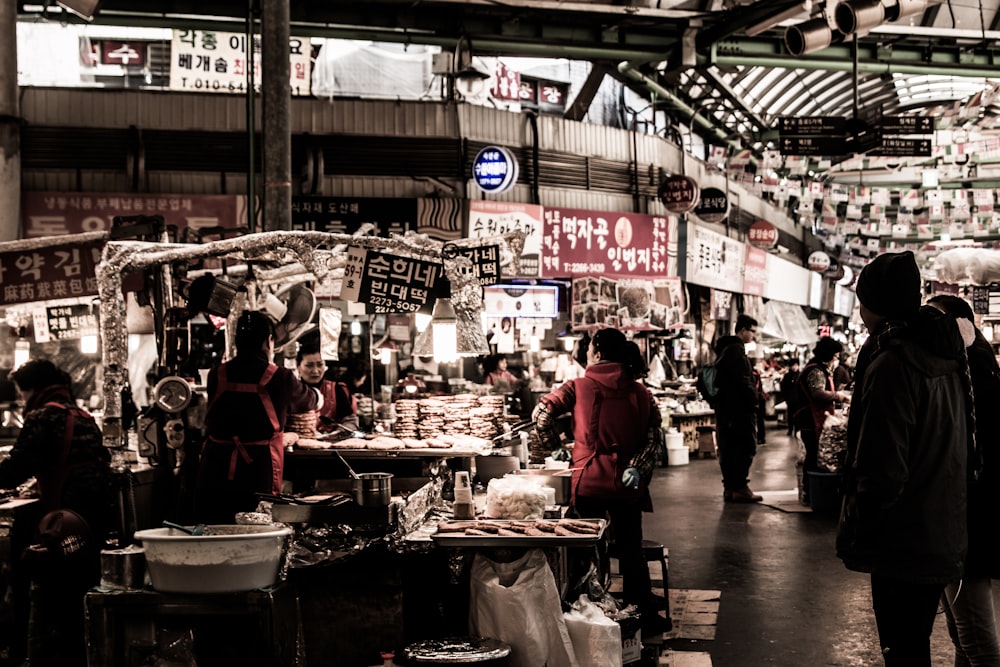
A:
x: 462, y: 540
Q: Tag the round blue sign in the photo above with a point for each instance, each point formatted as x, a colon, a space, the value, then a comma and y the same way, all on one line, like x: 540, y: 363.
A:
x: 494, y: 169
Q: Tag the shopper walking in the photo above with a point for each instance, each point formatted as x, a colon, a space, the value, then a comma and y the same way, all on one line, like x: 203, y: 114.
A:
x: 817, y: 398
x: 904, y: 514
x: 968, y: 604
x: 616, y: 440
x: 736, y: 412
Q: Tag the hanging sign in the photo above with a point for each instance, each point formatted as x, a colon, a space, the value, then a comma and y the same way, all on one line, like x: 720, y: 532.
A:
x: 678, y: 193
x: 485, y: 268
x: 70, y: 322
x: 390, y: 284
x: 495, y: 169
x: 47, y: 274
x: 818, y: 261
x: 762, y: 234
x: 713, y: 205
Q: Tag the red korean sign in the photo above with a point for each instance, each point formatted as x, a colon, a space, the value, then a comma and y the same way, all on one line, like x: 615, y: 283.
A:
x: 762, y: 234
x: 582, y: 242
x: 506, y: 84
x: 56, y: 213
x: 123, y: 53
x: 755, y: 272
x: 678, y: 193
x: 55, y: 272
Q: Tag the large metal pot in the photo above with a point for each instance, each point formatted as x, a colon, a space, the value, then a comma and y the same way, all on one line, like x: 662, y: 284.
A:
x: 373, y: 489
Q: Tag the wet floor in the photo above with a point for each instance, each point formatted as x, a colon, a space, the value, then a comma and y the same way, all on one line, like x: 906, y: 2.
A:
x: 786, y: 599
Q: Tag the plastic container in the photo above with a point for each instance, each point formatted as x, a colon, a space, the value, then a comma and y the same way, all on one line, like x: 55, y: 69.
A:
x: 226, y: 559
x: 678, y: 456
x: 824, y: 491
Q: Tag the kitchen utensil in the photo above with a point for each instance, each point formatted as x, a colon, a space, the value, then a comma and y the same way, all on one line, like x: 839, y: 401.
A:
x: 371, y: 489
x: 197, y: 529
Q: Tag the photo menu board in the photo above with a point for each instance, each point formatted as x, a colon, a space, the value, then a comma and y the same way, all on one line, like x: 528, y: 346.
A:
x: 635, y: 304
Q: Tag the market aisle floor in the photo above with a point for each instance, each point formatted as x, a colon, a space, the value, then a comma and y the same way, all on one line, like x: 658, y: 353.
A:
x: 786, y: 599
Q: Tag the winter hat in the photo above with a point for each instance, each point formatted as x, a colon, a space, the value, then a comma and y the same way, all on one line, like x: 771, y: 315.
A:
x: 890, y: 285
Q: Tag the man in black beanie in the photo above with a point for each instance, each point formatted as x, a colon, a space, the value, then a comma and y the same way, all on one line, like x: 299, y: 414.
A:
x: 903, y: 517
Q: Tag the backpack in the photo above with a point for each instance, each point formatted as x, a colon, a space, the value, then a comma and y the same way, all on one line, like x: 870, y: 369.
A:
x: 706, y: 385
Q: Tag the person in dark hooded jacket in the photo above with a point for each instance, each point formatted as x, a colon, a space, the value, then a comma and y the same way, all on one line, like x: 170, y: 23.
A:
x: 736, y: 412
x: 968, y: 604
x: 904, y: 514
x: 616, y: 429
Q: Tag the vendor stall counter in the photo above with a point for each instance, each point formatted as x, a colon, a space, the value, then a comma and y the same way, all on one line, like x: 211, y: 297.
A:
x: 688, y: 423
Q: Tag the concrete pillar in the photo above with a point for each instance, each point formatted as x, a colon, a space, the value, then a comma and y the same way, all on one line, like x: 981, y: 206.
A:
x: 277, y: 142
x: 10, y: 126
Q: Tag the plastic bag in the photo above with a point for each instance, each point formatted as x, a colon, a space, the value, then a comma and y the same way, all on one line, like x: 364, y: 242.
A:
x: 515, y: 497
x: 518, y: 603
x: 832, y: 448
x: 597, y: 640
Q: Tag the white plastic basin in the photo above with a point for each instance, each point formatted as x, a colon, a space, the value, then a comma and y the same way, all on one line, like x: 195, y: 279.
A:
x: 226, y: 559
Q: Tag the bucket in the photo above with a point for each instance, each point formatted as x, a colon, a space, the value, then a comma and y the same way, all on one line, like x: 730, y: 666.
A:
x: 123, y: 569
x: 674, y: 440
x: 678, y: 456
x: 824, y: 491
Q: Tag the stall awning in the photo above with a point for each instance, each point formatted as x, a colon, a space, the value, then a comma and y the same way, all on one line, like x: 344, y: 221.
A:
x: 787, y: 322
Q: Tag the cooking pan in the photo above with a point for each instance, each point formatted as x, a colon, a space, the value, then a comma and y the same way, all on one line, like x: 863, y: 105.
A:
x: 371, y: 489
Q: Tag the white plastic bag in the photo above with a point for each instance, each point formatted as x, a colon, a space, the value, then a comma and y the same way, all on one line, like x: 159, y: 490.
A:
x: 515, y: 497
x: 597, y: 640
x: 518, y: 603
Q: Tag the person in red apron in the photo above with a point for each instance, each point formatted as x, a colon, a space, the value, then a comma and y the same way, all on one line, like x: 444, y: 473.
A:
x: 616, y: 442
x: 339, y: 406
x: 250, y: 399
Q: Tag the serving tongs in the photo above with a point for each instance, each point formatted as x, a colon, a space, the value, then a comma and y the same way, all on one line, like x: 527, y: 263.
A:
x: 514, y: 430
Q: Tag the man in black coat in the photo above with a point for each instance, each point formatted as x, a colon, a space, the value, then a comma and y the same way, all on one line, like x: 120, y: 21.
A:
x: 736, y: 412
x: 908, y: 443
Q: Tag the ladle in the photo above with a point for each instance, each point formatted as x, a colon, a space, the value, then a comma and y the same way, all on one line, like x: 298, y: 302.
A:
x: 197, y: 529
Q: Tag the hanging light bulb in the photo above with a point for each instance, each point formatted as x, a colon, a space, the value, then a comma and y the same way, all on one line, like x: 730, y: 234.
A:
x: 422, y: 320
x: 355, y: 327
x: 22, y: 352
x: 88, y: 344
x: 444, y: 327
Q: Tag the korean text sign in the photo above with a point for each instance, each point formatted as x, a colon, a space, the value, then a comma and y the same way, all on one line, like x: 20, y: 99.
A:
x: 391, y: 284
x: 44, y: 274
x: 485, y: 260
x: 577, y: 241
x: 206, y: 61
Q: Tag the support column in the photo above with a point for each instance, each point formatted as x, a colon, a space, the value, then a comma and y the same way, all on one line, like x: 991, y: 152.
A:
x: 277, y: 151
x: 10, y: 127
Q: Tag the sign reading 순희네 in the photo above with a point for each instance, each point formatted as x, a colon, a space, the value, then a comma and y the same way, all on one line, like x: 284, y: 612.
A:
x: 389, y: 283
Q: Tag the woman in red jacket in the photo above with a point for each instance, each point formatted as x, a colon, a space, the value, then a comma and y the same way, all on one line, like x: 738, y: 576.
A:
x: 616, y: 429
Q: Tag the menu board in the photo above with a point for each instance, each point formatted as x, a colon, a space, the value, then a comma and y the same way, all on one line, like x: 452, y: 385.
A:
x: 485, y: 263
x: 391, y: 284
x: 582, y: 242
x: 47, y: 274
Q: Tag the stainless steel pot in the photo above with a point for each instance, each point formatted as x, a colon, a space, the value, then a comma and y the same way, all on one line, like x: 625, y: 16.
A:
x: 373, y: 489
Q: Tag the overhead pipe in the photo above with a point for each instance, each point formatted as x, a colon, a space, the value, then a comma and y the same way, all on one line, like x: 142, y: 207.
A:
x: 847, y: 66
x: 739, y: 19
x: 690, y: 114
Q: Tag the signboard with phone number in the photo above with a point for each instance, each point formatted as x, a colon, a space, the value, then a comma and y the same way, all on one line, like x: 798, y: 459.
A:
x: 391, y: 284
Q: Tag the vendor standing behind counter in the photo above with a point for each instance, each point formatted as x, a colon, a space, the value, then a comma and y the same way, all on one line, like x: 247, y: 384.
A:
x: 339, y: 404
x: 250, y: 399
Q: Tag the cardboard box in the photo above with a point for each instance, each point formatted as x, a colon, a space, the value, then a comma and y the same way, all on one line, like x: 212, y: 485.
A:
x: 631, y: 628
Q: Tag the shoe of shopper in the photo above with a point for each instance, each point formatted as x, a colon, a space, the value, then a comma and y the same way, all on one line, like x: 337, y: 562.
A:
x: 744, y: 495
